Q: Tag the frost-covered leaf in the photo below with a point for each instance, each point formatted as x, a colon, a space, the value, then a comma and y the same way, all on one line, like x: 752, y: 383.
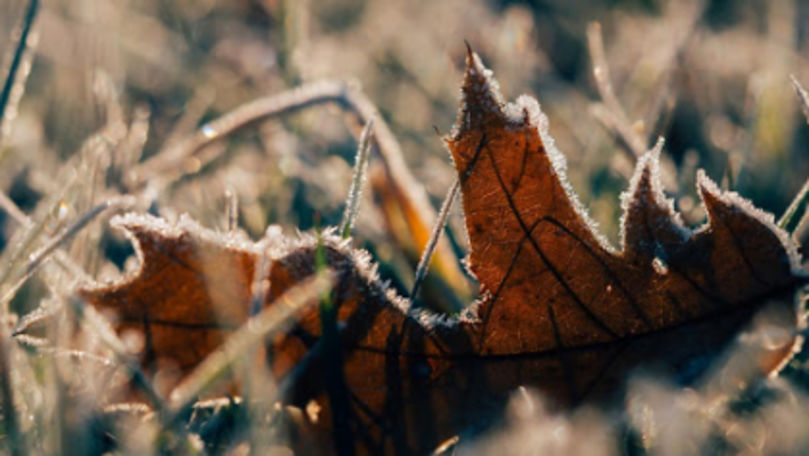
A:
x: 561, y: 310
x: 536, y: 252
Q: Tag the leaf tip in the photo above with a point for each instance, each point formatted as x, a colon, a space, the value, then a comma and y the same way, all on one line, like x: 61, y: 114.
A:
x: 481, y: 101
x: 644, y: 186
x: 709, y: 192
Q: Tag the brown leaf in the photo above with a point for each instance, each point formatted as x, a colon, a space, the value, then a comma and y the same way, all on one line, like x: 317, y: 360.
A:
x: 536, y: 252
x: 561, y: 309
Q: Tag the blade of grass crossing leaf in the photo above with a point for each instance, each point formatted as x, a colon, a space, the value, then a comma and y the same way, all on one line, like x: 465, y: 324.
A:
x: 258, y: 384
x: 271, y: 320
x: 261, y: 284
x: 19, y: 52
x: 357, y: 180
x: 792, y: 216
x: 99, y: 327
x: 438, y: 228
x: 332, y: 360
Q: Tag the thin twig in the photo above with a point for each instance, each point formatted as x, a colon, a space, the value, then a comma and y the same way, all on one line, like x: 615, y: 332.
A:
x: 239, y: 118
x: 17, y: 59
x: 302, y: 97
x: 357, y: 181
x: 412, y: 193
x: 195, y: 109
x: 438, y: 228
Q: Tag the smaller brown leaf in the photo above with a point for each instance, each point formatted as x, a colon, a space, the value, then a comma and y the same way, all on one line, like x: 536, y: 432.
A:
x: 191, y: 288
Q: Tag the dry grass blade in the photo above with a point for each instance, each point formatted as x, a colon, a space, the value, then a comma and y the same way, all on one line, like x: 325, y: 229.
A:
x: 803, y: 95
x: 610, y: 113
x: 10, y: 419
x: 123, y: 202
x: 98, y: 326
x: 357, y: 180
x: 37, y: 259
x: 257, y: 380
x: 797, y: 208
x: 242, y: 117
x: 130, y: 149
x: 438, y: 228
x: 261, y: 284
x: 232, y: 209
x: 274, y: 318
x: 16, y: 214
x: 22, y: 219
x: 296, y: 99
x: 14, y: 259
x: 17, y: 60
x: 397, y: 177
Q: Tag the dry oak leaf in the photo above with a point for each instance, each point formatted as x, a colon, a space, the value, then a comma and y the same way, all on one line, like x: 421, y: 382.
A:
x: 561, y: 310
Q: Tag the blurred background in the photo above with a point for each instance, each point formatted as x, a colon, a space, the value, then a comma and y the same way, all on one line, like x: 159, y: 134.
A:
x: 121, y: 97
x: 115, y: 84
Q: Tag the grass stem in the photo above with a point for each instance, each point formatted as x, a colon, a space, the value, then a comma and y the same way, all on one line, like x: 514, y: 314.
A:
x: 796, y: 209
x: 357, y: 180
x: 438, y: 228
x: 17, y: 59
